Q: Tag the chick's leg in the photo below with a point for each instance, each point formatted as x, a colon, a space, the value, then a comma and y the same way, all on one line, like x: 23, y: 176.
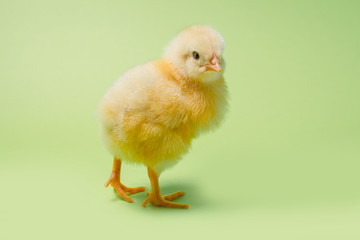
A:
x: 155, y: 196
x: 114, y: 180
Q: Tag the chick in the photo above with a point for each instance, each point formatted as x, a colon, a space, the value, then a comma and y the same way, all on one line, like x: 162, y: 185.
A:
x: 152, y: 113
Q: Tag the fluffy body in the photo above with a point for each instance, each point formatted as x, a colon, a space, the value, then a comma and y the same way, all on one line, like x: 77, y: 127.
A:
x: 152, y: 113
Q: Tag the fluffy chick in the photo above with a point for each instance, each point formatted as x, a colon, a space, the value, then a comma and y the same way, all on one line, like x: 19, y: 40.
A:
x: 154, y: 110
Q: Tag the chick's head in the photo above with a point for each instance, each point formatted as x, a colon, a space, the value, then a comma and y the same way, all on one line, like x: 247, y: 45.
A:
x: 197, y: 53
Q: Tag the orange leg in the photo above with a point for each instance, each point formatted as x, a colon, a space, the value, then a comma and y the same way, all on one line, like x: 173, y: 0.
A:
x: 155, y: 196
x: 114, y: 180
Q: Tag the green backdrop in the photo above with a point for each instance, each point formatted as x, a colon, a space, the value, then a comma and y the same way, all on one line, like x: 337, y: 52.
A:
x: 284, y: 165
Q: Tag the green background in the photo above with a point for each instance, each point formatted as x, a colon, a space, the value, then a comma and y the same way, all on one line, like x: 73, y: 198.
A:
x: 284, y: 165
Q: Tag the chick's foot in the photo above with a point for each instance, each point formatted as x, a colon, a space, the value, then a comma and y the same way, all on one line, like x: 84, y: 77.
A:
x: 121, y: 189
x: 164, y: 201
x: 114, y: 180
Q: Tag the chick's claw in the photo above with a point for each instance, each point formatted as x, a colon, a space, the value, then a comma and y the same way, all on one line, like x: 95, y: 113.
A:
x: 121, y: 189
x: 132, y: 190
x: 165, y: 201
x: 173, y: 196
x: 122, y: 194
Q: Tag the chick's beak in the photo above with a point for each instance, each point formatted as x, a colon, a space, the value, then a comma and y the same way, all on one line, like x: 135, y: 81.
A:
x: 215, y: 65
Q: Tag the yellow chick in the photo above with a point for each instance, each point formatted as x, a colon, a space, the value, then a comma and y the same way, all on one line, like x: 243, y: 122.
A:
x: 152, y: 113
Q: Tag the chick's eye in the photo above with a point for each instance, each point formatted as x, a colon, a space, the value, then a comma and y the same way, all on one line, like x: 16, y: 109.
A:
x: 196, y: 55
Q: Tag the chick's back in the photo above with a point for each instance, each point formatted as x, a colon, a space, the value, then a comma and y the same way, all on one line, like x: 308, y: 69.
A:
x: 144, y: 118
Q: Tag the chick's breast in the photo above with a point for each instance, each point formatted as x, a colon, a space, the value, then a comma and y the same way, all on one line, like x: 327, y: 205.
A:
x: 144, y: 118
